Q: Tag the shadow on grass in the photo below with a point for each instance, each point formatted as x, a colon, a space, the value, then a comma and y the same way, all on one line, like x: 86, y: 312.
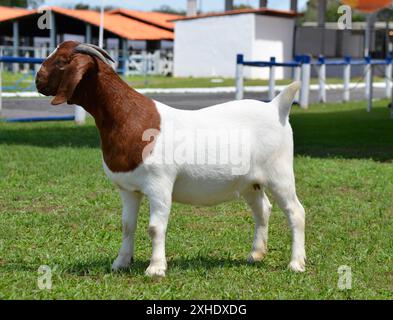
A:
x: 50, y: 135
x: 138, y: 267
x: 103, y: 265
x: 320, y: 132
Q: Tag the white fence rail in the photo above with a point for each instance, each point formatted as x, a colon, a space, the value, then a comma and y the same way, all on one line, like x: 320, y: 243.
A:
x: 159, y: 62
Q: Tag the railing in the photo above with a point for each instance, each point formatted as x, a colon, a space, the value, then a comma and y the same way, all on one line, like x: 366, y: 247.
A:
x: 302, y: 72
x: 79, y: 113
x: 138, y: 62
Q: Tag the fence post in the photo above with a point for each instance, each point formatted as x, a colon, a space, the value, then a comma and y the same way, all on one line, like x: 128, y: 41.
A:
x: 347, y: 79
x: 37, y: 55
x: 272, y: 78
x: 306, y: 73
x: 239, y: 77
x: 322, y: 79
x: 297, y: 77
x: 369, y: 83
x: 388, y: 77
x: 80, y: 115
x: 125, y: 55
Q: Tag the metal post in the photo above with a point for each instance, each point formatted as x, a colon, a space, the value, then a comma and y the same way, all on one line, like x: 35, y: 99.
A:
x: 322, y: 79
x: 101, y: 30
x: 272, y: 79
x: 88, y: 33
x: 388, y: 77
x: 125, y: 56
x: 347, y: 79
x: 239, y: 77
x: 369, y: 83
x: 297, y: 77
x: 52, y: 31
x: 262, y: 3
x: 228, y: 5
x: 306, y: 73
x: 294, y: 5
x: 15, y: 45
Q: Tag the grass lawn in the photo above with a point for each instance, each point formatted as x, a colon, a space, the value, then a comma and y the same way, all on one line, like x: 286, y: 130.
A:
x: 26, y: 81
x: 58, y: 209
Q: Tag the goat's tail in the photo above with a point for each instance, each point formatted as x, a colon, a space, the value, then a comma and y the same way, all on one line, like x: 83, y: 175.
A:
x: 285, y: 99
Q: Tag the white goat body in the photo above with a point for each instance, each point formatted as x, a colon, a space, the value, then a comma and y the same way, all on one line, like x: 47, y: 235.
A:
x: 270, y: 165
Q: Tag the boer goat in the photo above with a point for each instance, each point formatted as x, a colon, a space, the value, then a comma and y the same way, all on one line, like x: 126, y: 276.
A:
x: 137, y: 134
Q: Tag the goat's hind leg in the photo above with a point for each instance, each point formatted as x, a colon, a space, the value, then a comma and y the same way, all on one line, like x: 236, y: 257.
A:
x: 131, y: 202
x: 261, y: 208
x: 282, y: 185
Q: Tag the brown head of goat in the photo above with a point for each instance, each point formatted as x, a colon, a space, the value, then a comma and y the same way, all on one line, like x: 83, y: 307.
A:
x: 80, y: 74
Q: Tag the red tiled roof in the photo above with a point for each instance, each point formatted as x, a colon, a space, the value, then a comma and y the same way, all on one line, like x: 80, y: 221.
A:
x: 262, y: 11
x: 159, y: 19
x: 122, y: 26
x: 9, y: 13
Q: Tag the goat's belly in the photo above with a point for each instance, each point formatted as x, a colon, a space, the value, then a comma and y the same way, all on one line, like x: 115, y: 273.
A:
x: 205, y: 192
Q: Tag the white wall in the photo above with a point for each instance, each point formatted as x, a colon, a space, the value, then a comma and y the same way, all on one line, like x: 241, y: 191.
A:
x: 208, y: 47
x: 273, y: 38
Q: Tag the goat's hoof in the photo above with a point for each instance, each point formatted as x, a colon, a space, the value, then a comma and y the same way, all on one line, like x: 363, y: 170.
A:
x: 298, y: 265
x: 256, y: 256
x: 155, y: 271
x: 121, y: 263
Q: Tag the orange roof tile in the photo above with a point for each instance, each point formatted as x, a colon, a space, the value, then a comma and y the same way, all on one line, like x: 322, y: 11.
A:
x: 163, y: 20
x: 8, y: 13
x: 263, y: 11
x: 122, y: 26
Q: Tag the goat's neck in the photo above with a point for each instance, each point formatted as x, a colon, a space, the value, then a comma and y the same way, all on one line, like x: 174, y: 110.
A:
x: 122, y: 115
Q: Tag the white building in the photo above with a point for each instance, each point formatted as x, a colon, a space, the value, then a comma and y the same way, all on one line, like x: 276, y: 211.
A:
x: 207, y: 45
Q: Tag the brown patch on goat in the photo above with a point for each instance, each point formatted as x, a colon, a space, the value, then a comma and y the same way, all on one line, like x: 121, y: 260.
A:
x: 256, y: 186
x: 121, y: 114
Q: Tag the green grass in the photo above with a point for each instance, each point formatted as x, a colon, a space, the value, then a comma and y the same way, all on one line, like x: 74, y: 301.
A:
x: 58, y: 209
x: 9, y: 79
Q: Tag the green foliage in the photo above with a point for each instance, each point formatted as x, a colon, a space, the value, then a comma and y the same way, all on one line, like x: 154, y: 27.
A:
x: 21, y: 3
x: 168, y: 9
x: 14, y: 3
x: 311, y: 13
x: 58, y: 209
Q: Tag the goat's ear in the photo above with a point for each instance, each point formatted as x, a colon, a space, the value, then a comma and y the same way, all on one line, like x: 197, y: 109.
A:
x: 73, y: 74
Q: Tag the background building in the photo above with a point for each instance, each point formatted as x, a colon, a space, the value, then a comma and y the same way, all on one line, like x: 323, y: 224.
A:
x: 207, y: 45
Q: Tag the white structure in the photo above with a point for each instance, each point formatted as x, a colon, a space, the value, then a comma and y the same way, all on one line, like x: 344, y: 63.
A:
x: 207, y: 45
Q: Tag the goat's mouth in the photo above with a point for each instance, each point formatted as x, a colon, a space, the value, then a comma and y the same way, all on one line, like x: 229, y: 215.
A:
x: 43, y: 90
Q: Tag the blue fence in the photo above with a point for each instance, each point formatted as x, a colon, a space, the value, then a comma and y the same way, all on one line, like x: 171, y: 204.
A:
x: 302, y: 72
x: 79, y: 115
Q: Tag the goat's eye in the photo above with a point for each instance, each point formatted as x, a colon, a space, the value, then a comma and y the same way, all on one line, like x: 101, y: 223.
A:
x: 60, y: 64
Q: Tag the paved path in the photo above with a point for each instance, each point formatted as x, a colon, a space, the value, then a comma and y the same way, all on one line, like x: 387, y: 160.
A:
x: 40, y: 107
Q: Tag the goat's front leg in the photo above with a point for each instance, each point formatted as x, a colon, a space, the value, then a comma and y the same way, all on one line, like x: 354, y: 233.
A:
x: 160, y: 207
x: 131, y: 202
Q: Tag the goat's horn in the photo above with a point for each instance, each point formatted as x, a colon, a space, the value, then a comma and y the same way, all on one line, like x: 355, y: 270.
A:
x: 94, y: 51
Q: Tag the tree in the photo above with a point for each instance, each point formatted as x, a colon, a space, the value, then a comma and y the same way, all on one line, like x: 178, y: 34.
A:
x: 35, y: 3
x: 14, y: 3
x: 81, y: 6
x: 170, y: 10
x: 21, y: 3
x: 242, y: 6
x: 332, y: 15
